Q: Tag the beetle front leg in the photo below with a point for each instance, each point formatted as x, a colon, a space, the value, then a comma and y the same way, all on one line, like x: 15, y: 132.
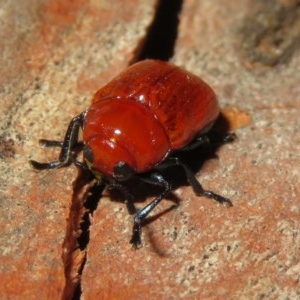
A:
x: 129, y: 199
x: 70, y: 140
x: 155, y: 179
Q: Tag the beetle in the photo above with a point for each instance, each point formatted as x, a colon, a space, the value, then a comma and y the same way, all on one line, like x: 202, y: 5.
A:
x: 136, y: 126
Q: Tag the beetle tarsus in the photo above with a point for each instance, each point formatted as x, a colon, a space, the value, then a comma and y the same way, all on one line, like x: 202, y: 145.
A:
x: 222, y: 200
x: 43, y: 166
x: 229, y: 137
x: 136, y: 234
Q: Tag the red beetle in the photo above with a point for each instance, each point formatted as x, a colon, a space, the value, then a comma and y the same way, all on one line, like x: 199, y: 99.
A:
x: 135, y: 126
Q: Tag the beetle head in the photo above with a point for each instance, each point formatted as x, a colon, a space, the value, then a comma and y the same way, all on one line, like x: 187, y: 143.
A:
x: 108, y: 157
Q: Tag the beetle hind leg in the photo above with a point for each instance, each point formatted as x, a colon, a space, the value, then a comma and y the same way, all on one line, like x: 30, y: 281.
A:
x: 223, y: 139
x: 206, y: 140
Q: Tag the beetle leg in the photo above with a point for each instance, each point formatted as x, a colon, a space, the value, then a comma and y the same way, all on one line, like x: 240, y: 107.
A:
x: 204, y: 140
x: 224, y: 139
x: 124, y: 172
x: 156, y: 179
x: 197, y: 187
x: 129, y: 200
x: 81, y: 165
x: 51, y: 143
x: 200, y: 141
x: 229, y: 137
x: 70, y: 140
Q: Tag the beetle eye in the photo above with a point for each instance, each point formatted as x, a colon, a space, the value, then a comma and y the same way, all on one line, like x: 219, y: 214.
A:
x: 88, y: 154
